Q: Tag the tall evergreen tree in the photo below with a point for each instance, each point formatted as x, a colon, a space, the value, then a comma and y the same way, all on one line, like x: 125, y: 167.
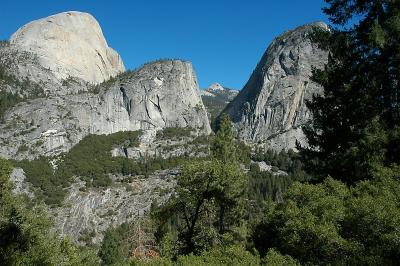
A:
x: 224, y: 146
x: 356, y: 122
x: 209, y: 195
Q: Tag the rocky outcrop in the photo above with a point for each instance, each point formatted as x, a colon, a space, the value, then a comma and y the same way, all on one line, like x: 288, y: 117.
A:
x: 271, y: 107
x: 158, y: 95
x: 90, y: 211
x: 69, y: 44
x: 162, y: 94
x: 152, y: 146
x: 93, y: 210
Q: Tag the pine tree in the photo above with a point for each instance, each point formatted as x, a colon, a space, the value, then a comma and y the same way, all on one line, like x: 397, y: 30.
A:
x: 355, y: 127
x: 224, y: 146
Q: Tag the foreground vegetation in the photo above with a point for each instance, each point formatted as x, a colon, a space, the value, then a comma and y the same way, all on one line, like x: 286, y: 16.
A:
x: 214, y: 220
x: 26, y: 234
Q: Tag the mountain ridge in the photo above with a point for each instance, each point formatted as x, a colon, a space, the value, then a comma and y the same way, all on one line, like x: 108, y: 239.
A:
x: 271, y: 107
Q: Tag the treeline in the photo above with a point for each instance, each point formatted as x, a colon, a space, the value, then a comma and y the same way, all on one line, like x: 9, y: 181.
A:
x: 92, y: 161
x: 265, y: 186
x: 288, y: 161
x: 271, y: 185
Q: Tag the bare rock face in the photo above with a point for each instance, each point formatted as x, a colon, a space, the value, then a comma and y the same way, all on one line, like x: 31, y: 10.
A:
x: 271, y: 107
x: 124, y: 202
x: 70, y: 44
x: 159, y: 95
x: 163, y: 94
x: 93, y: 210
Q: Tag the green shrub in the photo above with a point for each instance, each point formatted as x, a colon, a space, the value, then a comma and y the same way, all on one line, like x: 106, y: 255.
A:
x: 22, y: 148
x: 315, y: 223
x: 223, y: 255
x: 7, y: 100
x: 173, y: 133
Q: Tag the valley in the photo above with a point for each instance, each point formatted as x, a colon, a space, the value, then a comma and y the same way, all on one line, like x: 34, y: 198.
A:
x: 142, y: 167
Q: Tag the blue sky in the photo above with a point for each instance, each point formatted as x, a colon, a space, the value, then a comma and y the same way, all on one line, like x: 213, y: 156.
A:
x: 224, y: 39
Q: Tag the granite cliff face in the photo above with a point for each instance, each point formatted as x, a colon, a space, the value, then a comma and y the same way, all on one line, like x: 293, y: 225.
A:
x: 271, y: 107
x: 158, y: 95
x: 162, y: 94
x: 69, y: 44
x: 93, y: 210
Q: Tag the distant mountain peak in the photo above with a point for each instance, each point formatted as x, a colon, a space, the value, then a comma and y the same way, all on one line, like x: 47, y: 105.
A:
x: 217, y: 90
x: 215, y: 87
x: 216, y: 97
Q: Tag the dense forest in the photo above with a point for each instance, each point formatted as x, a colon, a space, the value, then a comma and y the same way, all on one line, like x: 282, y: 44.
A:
x: 335, y: 202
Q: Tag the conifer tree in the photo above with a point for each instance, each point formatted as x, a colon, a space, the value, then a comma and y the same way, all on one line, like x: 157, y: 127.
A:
x: 355, y: 127
x: 224, y: 146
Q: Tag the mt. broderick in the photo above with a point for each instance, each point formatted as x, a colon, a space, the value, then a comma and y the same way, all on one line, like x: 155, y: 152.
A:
x: 215, y: 99
x: 271, y: 107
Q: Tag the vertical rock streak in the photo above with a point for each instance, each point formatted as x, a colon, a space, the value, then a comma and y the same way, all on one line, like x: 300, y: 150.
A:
x: 270, y: 107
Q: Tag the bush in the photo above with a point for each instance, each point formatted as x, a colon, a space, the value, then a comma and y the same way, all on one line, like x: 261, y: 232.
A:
x: 222, y: 255
x: 7, y: 100
x: 330, y: 223
x: 277, y: 259
x: 173, y: 133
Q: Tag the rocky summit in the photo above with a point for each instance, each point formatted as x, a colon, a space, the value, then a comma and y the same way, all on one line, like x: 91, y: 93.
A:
x: 271, y: 107
x: 218, y: 91
x: 70, y: 44
x: 215, y: 99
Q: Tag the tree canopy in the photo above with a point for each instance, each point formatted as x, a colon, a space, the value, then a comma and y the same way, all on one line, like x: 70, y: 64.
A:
x: 356, y: 122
